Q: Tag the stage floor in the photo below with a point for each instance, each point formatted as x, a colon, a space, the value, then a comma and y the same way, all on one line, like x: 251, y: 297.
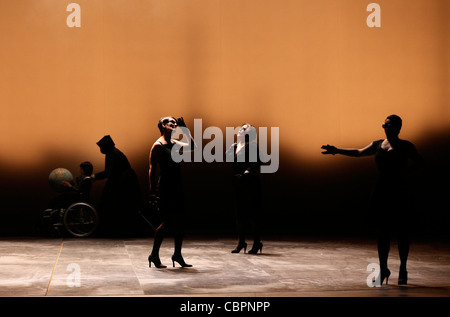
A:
x: 309, y: 267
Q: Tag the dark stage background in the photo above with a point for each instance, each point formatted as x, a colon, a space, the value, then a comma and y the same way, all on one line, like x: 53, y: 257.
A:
x: 299, y: 200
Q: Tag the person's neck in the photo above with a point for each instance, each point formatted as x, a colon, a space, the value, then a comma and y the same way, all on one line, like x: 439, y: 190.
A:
x: 167, y: 137
x: 393, y: 138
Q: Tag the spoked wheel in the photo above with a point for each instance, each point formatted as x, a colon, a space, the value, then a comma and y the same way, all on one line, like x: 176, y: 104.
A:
x: 81, y: 219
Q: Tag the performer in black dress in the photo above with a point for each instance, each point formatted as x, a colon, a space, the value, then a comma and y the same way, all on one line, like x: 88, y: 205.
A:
x: 168, y: 188
x: 246, y: 186
x: 391, y: 198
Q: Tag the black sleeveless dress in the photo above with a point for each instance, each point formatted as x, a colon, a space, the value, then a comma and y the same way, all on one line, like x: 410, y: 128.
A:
x: 246, y: 188
x: 170, y: 187
x: 391, y: 195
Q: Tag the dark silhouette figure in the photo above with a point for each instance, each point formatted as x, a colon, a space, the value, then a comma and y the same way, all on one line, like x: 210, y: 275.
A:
x: 76, y: 191
x: 391, y: 199
x: 121, y: 198
x: 73, y: 192
x: 246, y: 186
x: 168, y: 187
x: 83, y: 182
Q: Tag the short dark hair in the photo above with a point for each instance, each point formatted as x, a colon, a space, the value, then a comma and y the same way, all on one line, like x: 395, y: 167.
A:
x: 163, y: 121
x: 396, y: 121
x: 87, y: 167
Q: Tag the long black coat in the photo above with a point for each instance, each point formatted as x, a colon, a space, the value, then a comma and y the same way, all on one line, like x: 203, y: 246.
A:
x: 121, y: 198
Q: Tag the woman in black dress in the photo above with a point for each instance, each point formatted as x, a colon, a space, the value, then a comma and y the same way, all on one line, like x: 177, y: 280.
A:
x: 391, y: 198
x: 246, y: 186
x: 168, y: 188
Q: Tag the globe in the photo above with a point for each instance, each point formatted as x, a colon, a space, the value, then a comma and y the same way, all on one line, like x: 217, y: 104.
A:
x: 57, y: 176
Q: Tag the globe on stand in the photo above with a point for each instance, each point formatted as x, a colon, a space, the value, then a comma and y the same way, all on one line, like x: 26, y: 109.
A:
x: 57, y: 176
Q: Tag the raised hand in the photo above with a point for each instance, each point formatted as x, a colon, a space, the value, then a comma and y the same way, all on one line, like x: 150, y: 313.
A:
x: 329, y: 149
x: 180, y: 122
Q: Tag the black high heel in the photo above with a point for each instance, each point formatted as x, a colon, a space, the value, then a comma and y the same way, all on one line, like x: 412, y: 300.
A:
x: 156, y: 261
x: 403, y: 277
x: 257, y: 246
x: 240, y: 246
x: 180, y: 261
x: 385, y: 273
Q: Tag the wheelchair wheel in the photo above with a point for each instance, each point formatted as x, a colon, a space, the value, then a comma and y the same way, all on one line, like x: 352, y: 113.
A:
x: 81, y: 219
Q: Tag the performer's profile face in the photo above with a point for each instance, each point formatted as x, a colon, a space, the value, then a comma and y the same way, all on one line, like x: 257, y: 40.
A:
x: 243, y: 129
x: 390, y: 127
x: 170, y: 124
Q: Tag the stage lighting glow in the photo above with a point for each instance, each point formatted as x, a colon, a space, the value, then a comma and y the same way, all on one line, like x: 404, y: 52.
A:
x: 315, y: 69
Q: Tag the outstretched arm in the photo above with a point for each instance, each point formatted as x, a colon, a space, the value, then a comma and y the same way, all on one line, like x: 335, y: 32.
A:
x: 366, y: 151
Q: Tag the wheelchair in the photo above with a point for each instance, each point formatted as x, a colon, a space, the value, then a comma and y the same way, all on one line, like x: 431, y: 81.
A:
x: 79, y: 219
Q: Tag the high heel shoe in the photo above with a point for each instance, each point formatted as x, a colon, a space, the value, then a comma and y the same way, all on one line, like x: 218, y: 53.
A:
x: 240, y: 246
x: 180, y: 261
x: 403, y: 277
x: 156, y: 261
x: 257, y: 246
x: 384, y: 274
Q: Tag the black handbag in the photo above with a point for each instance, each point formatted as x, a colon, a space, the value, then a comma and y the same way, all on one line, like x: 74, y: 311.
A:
x: 152, y: 212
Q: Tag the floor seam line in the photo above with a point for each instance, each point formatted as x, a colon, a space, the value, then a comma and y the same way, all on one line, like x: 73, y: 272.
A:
x: 54, y: 267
